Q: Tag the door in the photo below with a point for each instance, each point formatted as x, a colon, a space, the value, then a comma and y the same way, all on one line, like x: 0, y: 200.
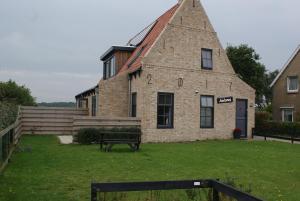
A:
x: 242, y: 116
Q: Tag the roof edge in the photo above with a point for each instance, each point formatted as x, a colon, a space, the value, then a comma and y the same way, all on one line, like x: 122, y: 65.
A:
x: 116, y: 48
x: 286, y: 65
x: 86, y: 91
x: 179, y: 4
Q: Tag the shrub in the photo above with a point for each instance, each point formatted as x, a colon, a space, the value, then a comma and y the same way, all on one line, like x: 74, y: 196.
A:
x: 278, y: 129
x: 261, y: 118
x: 8, y: 114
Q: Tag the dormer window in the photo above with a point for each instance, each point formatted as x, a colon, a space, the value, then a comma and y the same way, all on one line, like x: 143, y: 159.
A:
x: 114, y: 59
x: 292, y: 84
x: 207, y: 59
x: 109, y: 68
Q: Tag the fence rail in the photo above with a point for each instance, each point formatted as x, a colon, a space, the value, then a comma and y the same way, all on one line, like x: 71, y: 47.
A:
x: 215, y: 185
x: 8, y: 140
x: 265, y: 135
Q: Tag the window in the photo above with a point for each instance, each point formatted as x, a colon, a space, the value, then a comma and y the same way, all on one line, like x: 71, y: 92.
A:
x: 80, y: 103
x: 207, y: 112
x: 133, y: 105
x: 109, y: 68
x: 207, y: 59
x: 165, y: 110
x: 287, y: 115
x: 293, y: 84
x: 94, y: 106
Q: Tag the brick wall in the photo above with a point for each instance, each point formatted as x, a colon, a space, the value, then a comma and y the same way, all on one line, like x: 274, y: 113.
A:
x: 176, y: 54
x: 113, y: 96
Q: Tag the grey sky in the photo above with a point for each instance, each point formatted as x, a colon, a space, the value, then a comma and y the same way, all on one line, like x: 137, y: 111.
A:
x: 53, y: 47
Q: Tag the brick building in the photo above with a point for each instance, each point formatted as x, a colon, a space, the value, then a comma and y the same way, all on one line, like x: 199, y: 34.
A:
x: 286, y: 101
x: 175, y: 76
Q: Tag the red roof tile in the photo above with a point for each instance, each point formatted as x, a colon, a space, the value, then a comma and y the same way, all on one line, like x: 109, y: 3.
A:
x: 134, y: 62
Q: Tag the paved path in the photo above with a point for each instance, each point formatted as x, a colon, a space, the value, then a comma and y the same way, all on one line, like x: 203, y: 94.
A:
x: 65, y: 139
x: 259, y: 138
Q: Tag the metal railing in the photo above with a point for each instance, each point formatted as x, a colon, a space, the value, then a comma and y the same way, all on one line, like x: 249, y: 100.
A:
x: 265, y: 135
x: 8, y: 139
x: 216, y: 186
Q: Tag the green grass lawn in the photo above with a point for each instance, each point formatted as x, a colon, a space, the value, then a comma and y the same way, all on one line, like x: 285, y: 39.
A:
x: 51, y: 171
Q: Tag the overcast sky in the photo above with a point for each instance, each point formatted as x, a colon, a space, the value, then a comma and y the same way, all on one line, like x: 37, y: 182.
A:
x: 53, y: 47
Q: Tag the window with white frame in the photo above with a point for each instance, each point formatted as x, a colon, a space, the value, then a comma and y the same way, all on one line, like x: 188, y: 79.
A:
x: 292, y: 84
x: 287, y: 114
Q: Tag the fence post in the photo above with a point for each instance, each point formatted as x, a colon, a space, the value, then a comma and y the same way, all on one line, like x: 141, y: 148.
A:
x: 216, y: 195
x: 1, y: 151
x: 93, y: 193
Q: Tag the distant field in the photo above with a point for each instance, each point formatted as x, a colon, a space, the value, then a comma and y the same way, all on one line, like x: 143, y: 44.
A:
x: 48, y: 171
x: 57, y: 104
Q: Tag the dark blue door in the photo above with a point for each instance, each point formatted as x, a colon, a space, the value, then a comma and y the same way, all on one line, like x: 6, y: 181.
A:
x: 242, y: 116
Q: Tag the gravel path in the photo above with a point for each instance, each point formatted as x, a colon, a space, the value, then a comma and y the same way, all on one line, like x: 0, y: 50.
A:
x: 65, y: 139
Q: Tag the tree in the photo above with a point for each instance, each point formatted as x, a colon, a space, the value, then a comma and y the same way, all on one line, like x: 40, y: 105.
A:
x: 246, y: 63
x: 10, y: 92
x: 12, y: 95
x: 270, y: 77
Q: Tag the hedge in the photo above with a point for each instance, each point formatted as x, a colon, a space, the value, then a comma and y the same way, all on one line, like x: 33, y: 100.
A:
x: 93, y: 135
x: 278, y: 129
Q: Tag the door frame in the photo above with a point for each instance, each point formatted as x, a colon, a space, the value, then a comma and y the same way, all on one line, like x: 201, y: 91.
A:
x: 246, y: 100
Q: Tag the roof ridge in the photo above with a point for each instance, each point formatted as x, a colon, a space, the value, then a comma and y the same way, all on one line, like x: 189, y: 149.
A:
x: 286, y: 65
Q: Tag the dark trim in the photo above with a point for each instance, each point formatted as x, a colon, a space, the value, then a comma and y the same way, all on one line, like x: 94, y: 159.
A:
x: 135, y: 73
x: 94, y: 106
x: 218, y: 187
x: 107, y: 71
x: 172, y: 118
x: 213, y: 113
x: 87, y: 92
x: 132, y: 94
x: 241, y: 99
x: 113, y: 49
x: 212, y: 59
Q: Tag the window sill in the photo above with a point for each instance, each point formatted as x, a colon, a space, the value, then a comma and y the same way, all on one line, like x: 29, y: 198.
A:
x: 164, y: 128
x: 293, y: 92
x: 209, y: 128
x: 206, y: 69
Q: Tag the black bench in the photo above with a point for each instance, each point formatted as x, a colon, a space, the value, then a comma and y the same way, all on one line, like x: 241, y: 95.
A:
x: 109, y: 138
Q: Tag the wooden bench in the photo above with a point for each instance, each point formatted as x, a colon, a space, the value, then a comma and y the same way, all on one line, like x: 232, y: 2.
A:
x: 109, y: 138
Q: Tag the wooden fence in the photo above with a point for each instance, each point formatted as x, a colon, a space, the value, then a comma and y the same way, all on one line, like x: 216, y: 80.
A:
x: 49, y: 120
x: 9, y: 137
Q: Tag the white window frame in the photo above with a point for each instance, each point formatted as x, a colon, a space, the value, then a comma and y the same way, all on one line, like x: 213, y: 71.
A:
x: 288, y: 84
x: 283, y: 109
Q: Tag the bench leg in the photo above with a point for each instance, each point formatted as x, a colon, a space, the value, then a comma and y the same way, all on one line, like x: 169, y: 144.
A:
x: 109, y: 147
x: 133, y: 147
x: 137, y: 146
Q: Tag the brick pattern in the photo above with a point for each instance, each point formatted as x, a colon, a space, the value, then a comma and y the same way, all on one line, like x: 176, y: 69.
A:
x: 113, y: 96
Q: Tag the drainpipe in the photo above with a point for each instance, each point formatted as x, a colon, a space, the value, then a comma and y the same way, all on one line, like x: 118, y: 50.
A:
x: 129, y: 95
